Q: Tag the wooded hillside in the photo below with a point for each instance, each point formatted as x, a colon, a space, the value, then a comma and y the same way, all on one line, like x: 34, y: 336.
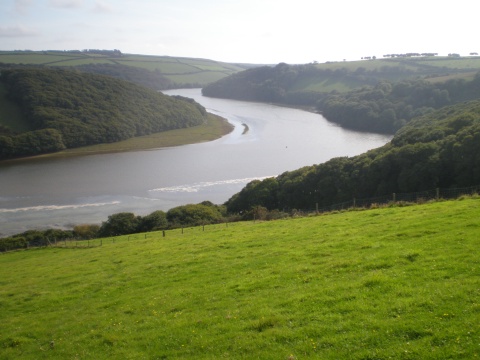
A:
x: 381, y: 99
x: 441, y: 149
x: 67, y: 109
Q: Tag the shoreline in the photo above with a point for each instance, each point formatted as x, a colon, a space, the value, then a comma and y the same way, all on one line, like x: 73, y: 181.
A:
x: 214, y: 128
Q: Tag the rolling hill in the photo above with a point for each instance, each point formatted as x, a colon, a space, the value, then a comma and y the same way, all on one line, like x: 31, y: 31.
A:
x: 397, y: 282
x: 60, y: 109
x: 159, y: 72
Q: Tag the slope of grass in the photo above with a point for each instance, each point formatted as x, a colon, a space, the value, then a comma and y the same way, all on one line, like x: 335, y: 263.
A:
x: 179, y: 70
x: 399, y: 283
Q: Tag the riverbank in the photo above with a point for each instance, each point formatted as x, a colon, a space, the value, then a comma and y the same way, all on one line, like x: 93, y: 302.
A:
x: 214, y: 128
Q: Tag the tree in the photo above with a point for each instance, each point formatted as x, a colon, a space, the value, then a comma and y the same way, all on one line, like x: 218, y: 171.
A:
x: 154, y: 221
x: 120, y: 224
x: 193, y: 215
x: 86, y: 231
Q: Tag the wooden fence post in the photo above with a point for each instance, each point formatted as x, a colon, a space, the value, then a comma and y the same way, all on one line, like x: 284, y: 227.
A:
x: 394, y: 197
x: 163, y: 233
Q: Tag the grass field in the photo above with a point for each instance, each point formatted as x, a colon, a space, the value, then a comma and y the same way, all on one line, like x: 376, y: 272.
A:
x: 179, y: 70
x: 390, y: 283
x: 413, y: 63
x: 187, y: 71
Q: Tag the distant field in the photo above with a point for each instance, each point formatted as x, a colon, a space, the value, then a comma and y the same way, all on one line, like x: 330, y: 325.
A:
x: 179, y: 70
x: 391, y: 283
x: 463, y: 63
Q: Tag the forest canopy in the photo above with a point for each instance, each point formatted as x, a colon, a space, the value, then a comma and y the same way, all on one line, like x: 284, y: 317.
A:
x: 376, y: 101
x: 67, y: 109
x: 441, y: 149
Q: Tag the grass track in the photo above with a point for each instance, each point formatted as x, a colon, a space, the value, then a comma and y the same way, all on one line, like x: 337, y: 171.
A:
x: 400, y: 283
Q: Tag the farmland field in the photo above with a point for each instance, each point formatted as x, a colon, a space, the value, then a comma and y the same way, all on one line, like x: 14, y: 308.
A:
x: 395, y: 282
x: 179, y: 70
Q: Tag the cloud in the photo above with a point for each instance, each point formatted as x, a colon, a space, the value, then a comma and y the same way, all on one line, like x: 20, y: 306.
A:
x: 66, y: 4
x: 17, y: 31
x: 102, y: 7
x: 22, y: 6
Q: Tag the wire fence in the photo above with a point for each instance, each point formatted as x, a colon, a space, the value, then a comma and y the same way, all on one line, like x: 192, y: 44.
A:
x: 416, y: 197
x: 7, y: 244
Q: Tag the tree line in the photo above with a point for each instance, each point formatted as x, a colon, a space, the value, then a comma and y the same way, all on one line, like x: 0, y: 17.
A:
x: 123, y: 223
x: 154, y: 80
x: 437, y: 150
x: 387, y: 107
x: 67, y: 109
x: 379, y: 104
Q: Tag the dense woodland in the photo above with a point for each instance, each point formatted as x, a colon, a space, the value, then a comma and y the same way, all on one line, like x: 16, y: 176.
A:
x: 441, y: 149
x: 67, y: 109
x: 150, y: 79
x: 380, y: 104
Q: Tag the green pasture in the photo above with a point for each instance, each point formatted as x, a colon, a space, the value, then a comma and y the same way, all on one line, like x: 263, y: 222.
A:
x: 164, y: 67
x: 178, y: 69
x: 387, y: 283
x: 467, y: 76
x: 464, y: 63
x: 324, y: 85
x: 81, y: 61
x: 40, y: 57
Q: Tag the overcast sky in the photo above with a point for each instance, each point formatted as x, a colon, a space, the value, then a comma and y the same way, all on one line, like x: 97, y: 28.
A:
x: 249, y: 31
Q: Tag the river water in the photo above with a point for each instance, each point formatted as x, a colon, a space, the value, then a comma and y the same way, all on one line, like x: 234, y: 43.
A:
x: 43, y: 193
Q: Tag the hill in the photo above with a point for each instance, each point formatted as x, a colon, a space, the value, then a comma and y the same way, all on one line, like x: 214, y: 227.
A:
x: 376, y: 96
x: 438, y: 150
x: 62, y: 109
x: 350, y: 75
x: 398, y: 282
x: 158, y: 72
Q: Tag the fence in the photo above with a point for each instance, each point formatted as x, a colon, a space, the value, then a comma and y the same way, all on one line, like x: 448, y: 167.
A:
x: 7, y: 244
x: 433, y: 194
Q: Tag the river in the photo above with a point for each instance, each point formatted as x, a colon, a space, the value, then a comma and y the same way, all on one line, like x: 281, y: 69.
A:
x: 63, y: 192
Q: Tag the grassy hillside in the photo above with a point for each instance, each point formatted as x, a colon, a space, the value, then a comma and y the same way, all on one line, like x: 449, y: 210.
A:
x: 371, y: 95
x: 180, y: 71
x: 395, y: 69
x: 398, y: 283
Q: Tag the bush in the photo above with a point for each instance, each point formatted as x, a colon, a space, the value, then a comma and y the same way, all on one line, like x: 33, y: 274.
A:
x: 86, y: 231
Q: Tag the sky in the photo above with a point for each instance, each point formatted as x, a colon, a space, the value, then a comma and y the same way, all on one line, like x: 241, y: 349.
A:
x: 243, y: 31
